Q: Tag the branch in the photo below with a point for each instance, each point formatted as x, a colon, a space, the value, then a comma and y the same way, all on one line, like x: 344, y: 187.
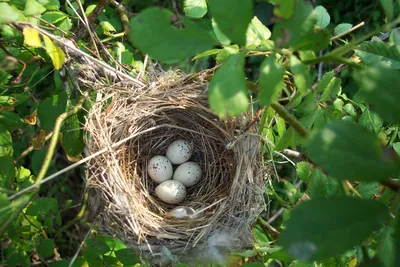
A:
x: 290, y: 119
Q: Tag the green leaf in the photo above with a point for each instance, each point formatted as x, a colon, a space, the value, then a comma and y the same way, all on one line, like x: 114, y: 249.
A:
x: 153, y: 35
x: 368, y: 190
x: 226, y: 52
x: 45, y: 247
x: 301, y: 74
x: 385, y: 248
x: 303, y: 170
x: 228, y: 92
x: 97, y: 246
x: 332, y: 90
x: 396, y: 238
x: 50, y: 108
x: 42, y: 206
x: 221, y: 37
x: 312, y: 234
x: 72, y: 138
x: 284, y: 8
x: 11, y: 120
x: 348, y: 151
x: 379, y: 87
x: 371, y: 121
x: 323, y: 17
x: 5, y: 142
x: 315, y: 40
x: 7, y: 172
x: 54, y: 16
x: 79, y: 262
x: 378, y: 54
x: 271, y: 80
x: 233, y: 20
x: 107, y: 27
x: 22, y: 174
x: 317, y: 186
x: 127, y: 256
x: 9, y: 13
x: 396, y: 147
x: 257, y: 33
x: 387, y: 6
x: 195, y: 8
x: 207, y: 53
x: 294, y: 30
x: 33, y: 8
x: 341, y: 28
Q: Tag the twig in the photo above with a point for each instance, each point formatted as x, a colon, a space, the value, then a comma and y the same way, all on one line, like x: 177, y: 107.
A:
x: 290, y: 119
x: 78, y: 216
x: 359, y: 25
x: 83, y: 242
x: 352, y: 189
x: 30, y: 149
x: 122, y: 15
x: 294, y: 154
x: 391, y: 184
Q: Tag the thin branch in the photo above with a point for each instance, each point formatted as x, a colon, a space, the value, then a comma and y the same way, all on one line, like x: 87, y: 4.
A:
x: 290, y: 119
x: 30, y: 149
x: 359, y: 25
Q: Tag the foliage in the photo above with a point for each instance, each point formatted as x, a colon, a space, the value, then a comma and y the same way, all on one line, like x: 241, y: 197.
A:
x: 324, y: 89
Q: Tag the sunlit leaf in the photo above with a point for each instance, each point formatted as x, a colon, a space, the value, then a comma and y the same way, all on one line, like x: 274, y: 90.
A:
x: 153, y: 34
x: 323, y: 17
x: 56, y: 54
x: 271, y: 80
x: 9, y: 13
x: 312, y: 234
x: 348, y: 151
x: 257, y: 33
x: 33, y: 7
x: 195, y: 8
x: 31, y: 36
x: 6, y: 148
x: 379, y: 54
x: 228, y: 92
x: 50, y: 108
x: 342, y: 28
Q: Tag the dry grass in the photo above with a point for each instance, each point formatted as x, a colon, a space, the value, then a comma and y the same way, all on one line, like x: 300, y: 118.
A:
x: 230, y: 194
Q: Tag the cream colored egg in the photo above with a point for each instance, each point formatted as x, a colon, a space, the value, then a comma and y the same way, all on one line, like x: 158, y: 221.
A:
x: 159, y: 169
x: 171, y: 192
x: 179, y: 151
x: 188, y: 173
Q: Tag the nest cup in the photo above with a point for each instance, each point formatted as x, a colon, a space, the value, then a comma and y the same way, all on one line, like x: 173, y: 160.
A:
x: 135, y: 124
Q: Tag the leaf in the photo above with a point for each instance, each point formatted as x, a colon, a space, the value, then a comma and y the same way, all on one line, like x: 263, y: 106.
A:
x: 221, y: 37
x: 234, y: 20
x: 396, y: 238
x: 303, y: 171
x: 228, y: 92
x: 72, y: 138
x: 6, y: 149
x: 54, y: 16
x: 301, y: 74
x: 56, y: 54
x: 294, y: 30
x: 378, y: 54
x: 195, y: 8
x: 79, y: 262
x: 284, y: 8
x: 42, y: 206
x: 323, y: 17
x: 385, y: 250
x: 379, y: 87
x: 45, y: 247
x: 207, y: 53
x: 371, y: 121
x: 387, y: 6
x: 396, y: 147
x: 332, y: 90
x: 311, y: 233
x: 31, y: 36
x: 31, y: 118
x: 317, y: 186
x: 107, y: 27
x: 271, y: 80
x: 8, y: 13
x: 348, y: 151
x: 342, y: 28
x: 315, y: 40
x: 153, y: 35
x: 37, y: 160
x: 7, y: 172
x: 257, y: 33
x: 39, y: 141
x: 226, y: 52
x: 127, y: 256
x: 368, y: 190
x: 33, y: 8
x: 11, y: 120
x: 22, y: 174
x: 50, y: 108
x: 324, y: 82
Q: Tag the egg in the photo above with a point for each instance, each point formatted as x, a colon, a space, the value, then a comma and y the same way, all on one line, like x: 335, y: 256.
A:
x: 159, y: 169
x: 179, y: 151
x: 171, y: 192
x: 188, y: 173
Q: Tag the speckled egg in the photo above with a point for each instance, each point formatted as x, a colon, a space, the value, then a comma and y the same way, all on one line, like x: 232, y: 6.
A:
x: 159, y: 169
x: 171, y: 192
x: 179, y: 151
x: 189, y: 173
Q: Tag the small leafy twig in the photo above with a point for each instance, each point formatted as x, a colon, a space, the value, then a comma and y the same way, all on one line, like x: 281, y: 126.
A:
x: 30, y: 149
x: 359, y: 25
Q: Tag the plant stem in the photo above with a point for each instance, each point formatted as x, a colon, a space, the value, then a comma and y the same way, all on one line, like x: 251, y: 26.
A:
x: 78, y: 216
x: 54, y: 138
x: 290, y: 119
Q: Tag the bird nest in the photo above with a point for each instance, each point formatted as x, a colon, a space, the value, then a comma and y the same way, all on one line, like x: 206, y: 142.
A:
x: 136, y: 123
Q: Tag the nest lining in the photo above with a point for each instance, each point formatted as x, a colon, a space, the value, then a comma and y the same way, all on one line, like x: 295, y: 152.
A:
x: 230, y: 193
